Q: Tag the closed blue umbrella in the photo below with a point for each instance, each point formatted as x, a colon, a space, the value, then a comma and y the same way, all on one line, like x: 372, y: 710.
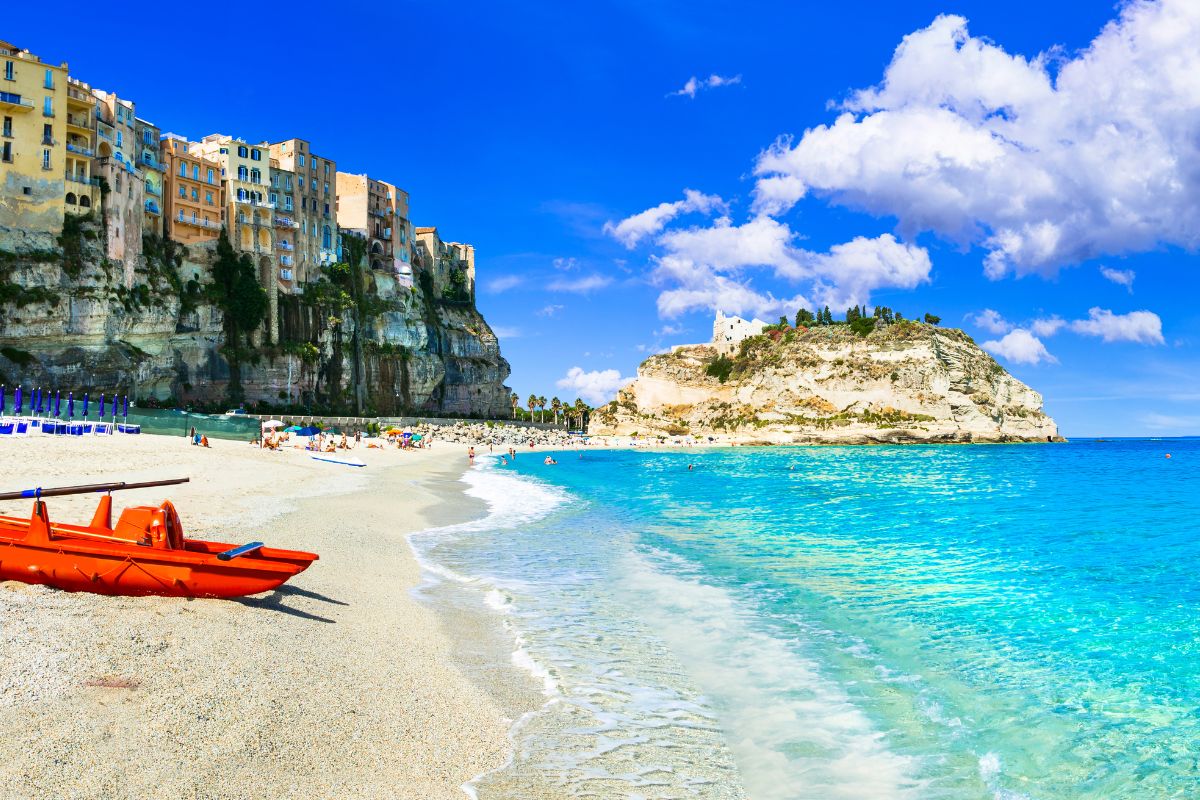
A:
x: 85, y: 405
x: 17, y: 400
x: 57, y: 403
x: 126, y: 412
x: 102, y: 408
x: 1, y: 398
x: 70, y: 405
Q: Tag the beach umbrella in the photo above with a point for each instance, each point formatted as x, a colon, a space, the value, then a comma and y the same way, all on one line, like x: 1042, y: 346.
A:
x: 309, y: 431
x: 292, y: 429
x: 126, y: 408
x: 85, y: 405
x: 1, y: 398
x: 37, y: 399
x: 272, y: 423
x: 17, y: 400
x: 70, y: 405
x: 57, y: 403
x: 102, y: 407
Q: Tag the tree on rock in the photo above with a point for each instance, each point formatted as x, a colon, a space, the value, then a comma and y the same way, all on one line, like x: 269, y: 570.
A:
x: 243, y: 303
x: 932, y: 319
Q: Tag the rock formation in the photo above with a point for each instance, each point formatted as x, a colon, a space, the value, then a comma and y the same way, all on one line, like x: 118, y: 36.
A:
x: 71, y: 319
x: 901, y: 382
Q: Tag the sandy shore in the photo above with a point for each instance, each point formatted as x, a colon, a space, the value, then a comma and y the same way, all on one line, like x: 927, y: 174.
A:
x: 338, y: 685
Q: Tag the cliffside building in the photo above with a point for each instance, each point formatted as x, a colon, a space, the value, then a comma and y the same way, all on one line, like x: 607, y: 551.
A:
x: 150, y: 163
x: 83, y: 187
x: 450, y: 264
x: 730, y: 332
x: 193, y: 195
x: 377, y: 211
x: 33, y: 151
x: 313, y: 219
x: 116, y: 130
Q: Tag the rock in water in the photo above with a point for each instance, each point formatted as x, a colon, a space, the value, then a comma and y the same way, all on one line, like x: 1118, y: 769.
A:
x: 902, y: 382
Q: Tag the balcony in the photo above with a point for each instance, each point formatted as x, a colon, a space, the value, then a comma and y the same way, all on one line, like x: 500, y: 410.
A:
x: 247, y: 201
x: 154, y: 190
x: 80, y: 150
x: 78, y: 123
x: 328, y: 256
x: 152, y: 162
x: 284, y: 222
x: 103, y: 134
x: 152, y: 207
x: 199, y: 223
x: 85, y: 180
x: 285, y: 274
x: 76, y: 96
x: 14, y: 102
x: 387, y: 233
x: 285, y: 246
x: 285, y: 260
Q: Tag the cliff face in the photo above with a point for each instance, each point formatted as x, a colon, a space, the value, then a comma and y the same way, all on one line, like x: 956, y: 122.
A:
x: 904, y: 382
x: 72, y: 320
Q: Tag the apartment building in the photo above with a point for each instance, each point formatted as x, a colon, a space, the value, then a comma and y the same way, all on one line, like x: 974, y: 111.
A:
x: 314, y: 215
x: 33, y: 142
x: 116, y: 162
x: 283, y: 197
x: 451, y: 264
x: 83, y: 186
x: 193, y: 195
x: 149, y: 161
x: 377, y: 211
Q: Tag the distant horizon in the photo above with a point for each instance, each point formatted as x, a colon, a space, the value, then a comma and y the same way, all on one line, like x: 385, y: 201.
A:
x: 1050, y: 216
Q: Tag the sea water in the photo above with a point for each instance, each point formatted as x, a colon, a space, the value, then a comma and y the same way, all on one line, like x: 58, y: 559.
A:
x: 1005, y: 621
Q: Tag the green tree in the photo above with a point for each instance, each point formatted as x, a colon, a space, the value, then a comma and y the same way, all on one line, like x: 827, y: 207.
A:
x: 243, y: 303
x: 804, y: 317
x: 515, y: 399
x: 556, y: 407
x: 531, y: 402
x: 933, y: 319
x: 541, y: 401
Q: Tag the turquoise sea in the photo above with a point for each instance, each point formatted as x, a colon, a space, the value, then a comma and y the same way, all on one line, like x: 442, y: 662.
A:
x: 871, y: 622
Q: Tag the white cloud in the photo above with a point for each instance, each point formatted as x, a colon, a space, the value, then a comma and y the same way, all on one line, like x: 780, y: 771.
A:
x: 849, y: 272
x: 596, y: 387
x: 1136, y: 326
x: 695, y: 85
x: 549, y: 311
x: 505, y: 332
x: 650, y: 222
x: 1121, y: 277
x: 1021, y: 347
x: 1047, y: 326
x: 1043, y: 161
x: 992, y: 322
x: 565, y: 263
x: 503, y: 283
x: 669, y: 330
x: 582, y: 285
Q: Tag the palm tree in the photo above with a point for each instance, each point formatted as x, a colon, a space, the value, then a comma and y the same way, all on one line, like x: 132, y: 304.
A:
x: 555, y: 406
x: 541, y: 409
x: 581, y: 409
x: 531, y: 401
x: 515, y: 399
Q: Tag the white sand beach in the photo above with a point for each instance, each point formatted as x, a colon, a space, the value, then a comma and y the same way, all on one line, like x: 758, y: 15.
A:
x: 338, y: 685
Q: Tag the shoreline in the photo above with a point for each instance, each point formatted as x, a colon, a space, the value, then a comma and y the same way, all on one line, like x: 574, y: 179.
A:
x: 349, y: 681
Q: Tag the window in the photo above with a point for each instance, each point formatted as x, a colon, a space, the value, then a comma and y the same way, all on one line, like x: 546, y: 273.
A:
x: 45, y: 159
x: 47, y: 134
x: 242, y: 173
x: 241, y: 194
x: 255, y: 155
x: 242, y: 151
x: 8, y: 73
x: 255, y: 176
x: 326, y: 187
x: 326, y: 238
x: 6, y: 152
x: 183, y: 169
x: 274, y: 197
x: 224, y: 151
x: 301, y: 161
x: 195, y: 195
x: 49, y: 79
x: 210, y: 176
x: 8, y: 126
x: 208, y: 198
x: 146, y: 138
x: 120, y: 139
x: 48, y: 107
x: 301, y: 182
x: 327, y: 171
x: 182, y: 193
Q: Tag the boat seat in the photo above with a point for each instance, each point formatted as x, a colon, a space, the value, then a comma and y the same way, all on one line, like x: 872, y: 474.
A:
x: 151, y: 526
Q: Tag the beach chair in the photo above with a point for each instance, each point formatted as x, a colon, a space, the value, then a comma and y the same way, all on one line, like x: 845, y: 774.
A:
x: 8, y: 427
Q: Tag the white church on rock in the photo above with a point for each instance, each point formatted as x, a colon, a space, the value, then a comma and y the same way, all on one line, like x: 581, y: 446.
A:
x: 729, y: 332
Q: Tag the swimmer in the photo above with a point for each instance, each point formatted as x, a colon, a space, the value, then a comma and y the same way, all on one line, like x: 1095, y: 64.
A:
x: 549, y: 461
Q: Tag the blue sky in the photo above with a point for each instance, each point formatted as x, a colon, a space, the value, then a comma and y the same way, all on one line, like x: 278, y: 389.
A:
x: 526, y: 128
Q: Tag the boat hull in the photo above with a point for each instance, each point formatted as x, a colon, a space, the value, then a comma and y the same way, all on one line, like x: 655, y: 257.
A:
x: 78, y: 565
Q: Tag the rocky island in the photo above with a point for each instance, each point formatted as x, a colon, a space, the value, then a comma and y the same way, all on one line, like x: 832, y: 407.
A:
x: 886, y: 382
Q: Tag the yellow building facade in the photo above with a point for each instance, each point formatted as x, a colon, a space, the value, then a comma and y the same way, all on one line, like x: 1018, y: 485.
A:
x: 33, y: 112
x: 314, y: 216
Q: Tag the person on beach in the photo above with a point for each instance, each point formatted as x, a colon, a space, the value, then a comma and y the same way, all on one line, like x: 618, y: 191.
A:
x: 196, y: 438
x: 549, y: 461
x: 471, y: 454
x: 204, y: 441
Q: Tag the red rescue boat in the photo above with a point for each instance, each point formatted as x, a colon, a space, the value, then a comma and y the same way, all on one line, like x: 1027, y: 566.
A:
x: 145, y: 553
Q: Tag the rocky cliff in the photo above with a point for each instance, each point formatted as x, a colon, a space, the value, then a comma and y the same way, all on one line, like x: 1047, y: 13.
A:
x: 72, y: 320
x: 902, y: 382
